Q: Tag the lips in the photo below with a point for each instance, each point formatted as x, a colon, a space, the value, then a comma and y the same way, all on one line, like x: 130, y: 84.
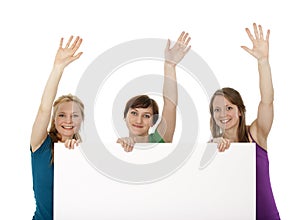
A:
x: 137, y: 126
x: 69, y: 127
x: 224, y: 121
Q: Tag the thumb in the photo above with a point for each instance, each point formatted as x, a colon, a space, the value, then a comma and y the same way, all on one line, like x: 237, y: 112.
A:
x: 247, y: 49
x: 168, y: 44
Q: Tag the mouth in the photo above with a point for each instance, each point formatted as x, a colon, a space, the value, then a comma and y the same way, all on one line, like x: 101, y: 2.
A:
x: 137, y: 126
x: 68, y: 127
x: 224, y: 121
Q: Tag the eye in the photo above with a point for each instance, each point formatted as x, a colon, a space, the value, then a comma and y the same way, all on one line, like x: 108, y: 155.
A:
x: 216, y: 110
x: 75, y: 115
x: 61, y: 115
x: 133, y: 113
x: 147, y: 116
x: 228, y: 108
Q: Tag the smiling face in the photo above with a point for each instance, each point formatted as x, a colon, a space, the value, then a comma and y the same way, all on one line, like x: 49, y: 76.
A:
x: 68, y: 120
x: 139, y: 121
x: 225, y: 114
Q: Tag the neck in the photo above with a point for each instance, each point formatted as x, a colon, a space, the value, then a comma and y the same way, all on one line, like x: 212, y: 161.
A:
x: 140, y: 139
x: 231, y: 134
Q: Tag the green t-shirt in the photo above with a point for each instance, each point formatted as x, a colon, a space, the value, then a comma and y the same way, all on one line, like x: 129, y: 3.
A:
x: 155, y: 138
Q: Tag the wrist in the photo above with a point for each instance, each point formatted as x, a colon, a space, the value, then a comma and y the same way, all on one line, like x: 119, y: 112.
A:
x: 263, y: 60
x: 170, y: 63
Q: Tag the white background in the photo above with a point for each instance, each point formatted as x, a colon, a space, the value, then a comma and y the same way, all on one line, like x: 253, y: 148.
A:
x: 30, y: 34
x: 226, y: 184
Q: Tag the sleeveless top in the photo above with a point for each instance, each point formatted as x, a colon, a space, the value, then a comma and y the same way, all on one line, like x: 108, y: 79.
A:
x: 266, y: 208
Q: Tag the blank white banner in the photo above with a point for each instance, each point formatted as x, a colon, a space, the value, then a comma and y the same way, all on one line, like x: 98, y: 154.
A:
x: 209, y: 185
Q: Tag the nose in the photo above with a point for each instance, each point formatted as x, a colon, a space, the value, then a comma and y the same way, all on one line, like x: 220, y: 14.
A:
x: 222, y: 113
x: 69, y: 119
x: 139, y: 119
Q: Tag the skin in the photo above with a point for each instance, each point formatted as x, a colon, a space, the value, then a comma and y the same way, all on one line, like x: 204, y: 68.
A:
x: 68, y: 121
x: 166, y: 127
x: 139, y: 121
x: 64, y: 56
x: 261, y: 126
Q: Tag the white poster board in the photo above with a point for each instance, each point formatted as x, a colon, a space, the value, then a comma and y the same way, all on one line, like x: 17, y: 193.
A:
x: 209, y: 185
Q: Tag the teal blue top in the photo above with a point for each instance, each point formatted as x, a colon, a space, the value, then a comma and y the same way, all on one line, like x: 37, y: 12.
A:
x: 155, y: 138
x: 42, y: 177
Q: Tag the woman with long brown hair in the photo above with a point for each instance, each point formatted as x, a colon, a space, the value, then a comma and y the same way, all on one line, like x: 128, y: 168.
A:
x: 228, y: 122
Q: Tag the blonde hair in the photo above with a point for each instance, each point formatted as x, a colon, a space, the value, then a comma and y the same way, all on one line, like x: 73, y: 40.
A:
x: 53, y: 133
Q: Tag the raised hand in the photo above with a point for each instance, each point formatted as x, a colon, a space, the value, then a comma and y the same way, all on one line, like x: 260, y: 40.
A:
x: 175, y: 54
x: 66, y: 55
x: 260, y: 48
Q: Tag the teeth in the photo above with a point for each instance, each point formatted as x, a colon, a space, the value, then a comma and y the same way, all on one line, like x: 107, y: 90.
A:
x: 68, y: 126
x: 225, y: 121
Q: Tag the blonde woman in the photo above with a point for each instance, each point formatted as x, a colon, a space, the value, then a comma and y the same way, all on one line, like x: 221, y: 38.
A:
x: 67, y: 115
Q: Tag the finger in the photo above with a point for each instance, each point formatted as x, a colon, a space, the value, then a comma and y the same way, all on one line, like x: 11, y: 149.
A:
x: 268, y: 34
x: 247, y: 49
x: 70, y: 40
x: 227, y: 144
x: 61, y: 42
x: 185, y: 36
x: 76, y: 43
x: 77, y: 56
x: 220, y: 147
x: 187, y: 49
x: 187, y: 42
x: 261, y: 34
x: 168, y: 45
x: 249, y: 34
x: 67, y: 144
x: 126, y: 148
x: 255, y: 30
x: 131, y: 142
x: 181, y: 35
x: 77, y: 142
x: 72, y: 143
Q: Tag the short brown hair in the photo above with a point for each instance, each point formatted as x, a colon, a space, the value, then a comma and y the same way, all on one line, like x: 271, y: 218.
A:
x: 143, y: 101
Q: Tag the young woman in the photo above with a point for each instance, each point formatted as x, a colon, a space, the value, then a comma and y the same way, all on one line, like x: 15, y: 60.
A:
x: 228, y: 122
x: 68, y: 113
x: 141, y: 112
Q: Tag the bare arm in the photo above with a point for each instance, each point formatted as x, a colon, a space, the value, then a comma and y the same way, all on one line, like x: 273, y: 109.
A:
x: 64, y: 57
x: 173, y: 56
x: 261, y: 126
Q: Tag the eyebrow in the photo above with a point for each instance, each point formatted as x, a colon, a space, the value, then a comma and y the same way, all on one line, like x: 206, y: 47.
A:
x: 65, y: 112
x: 143, y: 112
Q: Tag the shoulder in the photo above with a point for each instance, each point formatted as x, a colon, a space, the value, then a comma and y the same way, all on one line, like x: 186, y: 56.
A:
x: 46, y: 145
x: 156, y: 137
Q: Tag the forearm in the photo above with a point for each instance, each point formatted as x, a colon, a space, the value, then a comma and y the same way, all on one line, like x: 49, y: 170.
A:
x: 170, y: 93
x: 265, y: 81
x: 51, y: 88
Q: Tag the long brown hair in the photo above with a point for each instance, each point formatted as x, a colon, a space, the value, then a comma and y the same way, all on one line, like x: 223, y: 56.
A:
x: 53, y: 133
x: 235, y: 98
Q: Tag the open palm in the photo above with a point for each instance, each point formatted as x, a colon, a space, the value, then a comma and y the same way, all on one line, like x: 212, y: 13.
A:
x: 260, y: 48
